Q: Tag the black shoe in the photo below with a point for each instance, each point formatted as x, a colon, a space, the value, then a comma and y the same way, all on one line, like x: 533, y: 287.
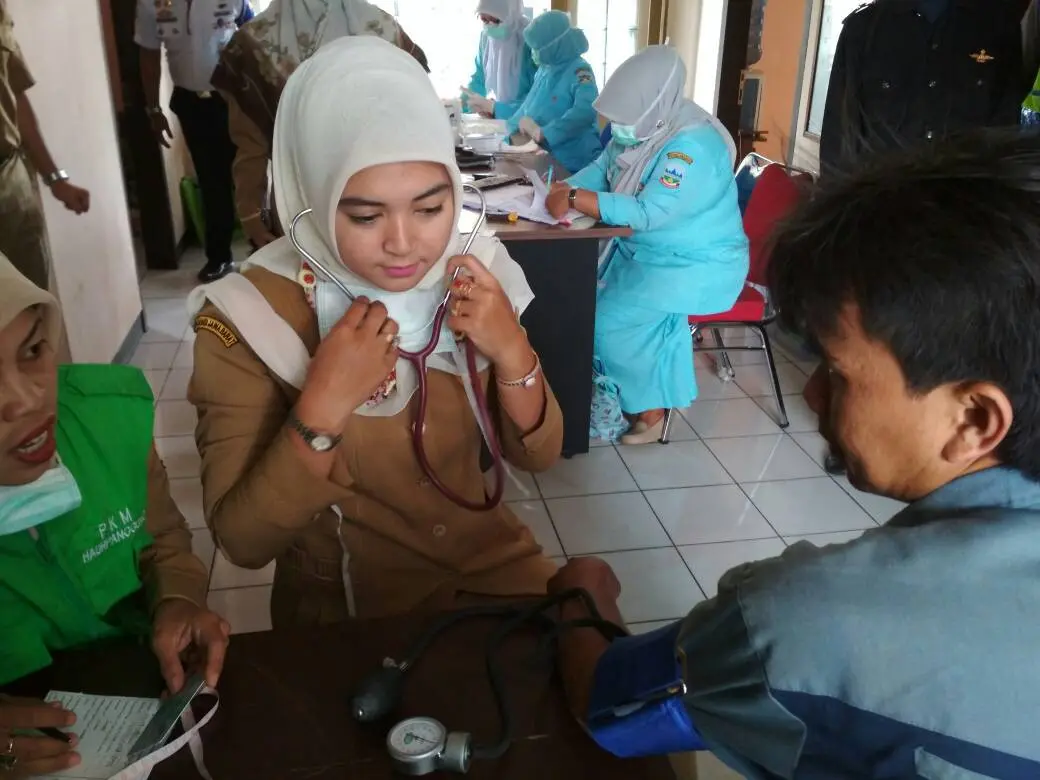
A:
x: 833, y: 464
x: 211, y: 272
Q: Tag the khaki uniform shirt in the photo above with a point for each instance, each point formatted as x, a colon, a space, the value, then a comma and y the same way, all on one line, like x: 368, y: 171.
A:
x: 14, y: 79
x: 169, y: 569
x: 408, y: 544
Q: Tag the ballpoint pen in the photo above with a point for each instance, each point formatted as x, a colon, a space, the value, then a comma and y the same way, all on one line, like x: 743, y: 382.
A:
x: 549, y: 179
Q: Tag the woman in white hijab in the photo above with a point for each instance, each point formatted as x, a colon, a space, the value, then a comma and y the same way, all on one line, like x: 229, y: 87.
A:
x: 251, y: 74
x: 505, y: 66
x: 668, y: 175
x: 306, y: 410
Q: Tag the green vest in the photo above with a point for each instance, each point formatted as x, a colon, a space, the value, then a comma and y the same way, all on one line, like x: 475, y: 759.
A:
x: 78, y: 580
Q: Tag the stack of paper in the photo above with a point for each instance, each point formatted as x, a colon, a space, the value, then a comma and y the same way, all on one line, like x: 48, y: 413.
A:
x: 527, y: 202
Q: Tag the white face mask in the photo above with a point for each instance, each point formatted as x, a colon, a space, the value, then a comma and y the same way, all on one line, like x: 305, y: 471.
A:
x: 27, y: 506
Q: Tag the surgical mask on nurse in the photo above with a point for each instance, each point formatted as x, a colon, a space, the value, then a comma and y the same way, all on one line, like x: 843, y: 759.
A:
x: 497, y: 31
x: 394, y: 222
x: 624, y: 135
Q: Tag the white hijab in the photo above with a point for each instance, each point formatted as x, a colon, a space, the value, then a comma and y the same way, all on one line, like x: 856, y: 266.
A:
x: 504, y: 59
x: 360, y: 102
x: 292, y: 30
x: 647, y: 91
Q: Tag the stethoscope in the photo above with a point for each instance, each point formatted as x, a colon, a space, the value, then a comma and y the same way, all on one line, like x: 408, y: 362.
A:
x: 419, y: 359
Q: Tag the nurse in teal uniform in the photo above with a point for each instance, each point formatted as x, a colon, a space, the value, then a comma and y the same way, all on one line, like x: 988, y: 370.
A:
x: 558, y: 112
x: 667, y: 174
x: 505, y: 65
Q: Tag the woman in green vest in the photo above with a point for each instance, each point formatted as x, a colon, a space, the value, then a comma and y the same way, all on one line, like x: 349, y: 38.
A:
x: 92, y: 546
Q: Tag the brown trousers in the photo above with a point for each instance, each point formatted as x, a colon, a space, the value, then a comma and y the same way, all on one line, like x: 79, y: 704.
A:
x: 23, y: 233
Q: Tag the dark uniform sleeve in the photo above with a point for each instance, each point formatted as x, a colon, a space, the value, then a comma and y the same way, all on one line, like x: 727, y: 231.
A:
x: 1014, y: 83
x: 841, y: 126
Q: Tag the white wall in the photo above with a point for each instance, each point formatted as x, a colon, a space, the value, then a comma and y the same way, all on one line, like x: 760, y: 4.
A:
x: 696, y: 29
x: 93, y: 254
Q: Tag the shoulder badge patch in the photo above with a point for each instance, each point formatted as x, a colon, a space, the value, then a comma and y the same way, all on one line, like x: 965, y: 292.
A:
x: 584, y: 76
x: 680, y: 156
x: 982, y: 57
x: 672, y: 177
x: 217, y: 328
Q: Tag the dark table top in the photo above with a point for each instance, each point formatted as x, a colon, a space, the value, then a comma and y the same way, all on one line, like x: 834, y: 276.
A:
x: 284, y: 710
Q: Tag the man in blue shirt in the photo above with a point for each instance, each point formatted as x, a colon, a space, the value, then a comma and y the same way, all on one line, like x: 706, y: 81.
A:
x: 911, y: 651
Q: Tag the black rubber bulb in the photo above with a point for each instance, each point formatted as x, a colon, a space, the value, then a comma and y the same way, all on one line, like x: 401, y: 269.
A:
x: 378, y: 695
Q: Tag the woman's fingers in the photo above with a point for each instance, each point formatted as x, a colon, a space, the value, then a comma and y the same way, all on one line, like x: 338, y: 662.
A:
x: 481, y: 275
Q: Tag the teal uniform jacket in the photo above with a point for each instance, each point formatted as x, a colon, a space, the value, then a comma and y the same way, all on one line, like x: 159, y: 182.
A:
x: 688, y: 255
x: 560, y: 101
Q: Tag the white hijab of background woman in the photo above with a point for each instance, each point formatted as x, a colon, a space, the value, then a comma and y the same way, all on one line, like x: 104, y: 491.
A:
x: 503, y: 49
x: 645, y: 102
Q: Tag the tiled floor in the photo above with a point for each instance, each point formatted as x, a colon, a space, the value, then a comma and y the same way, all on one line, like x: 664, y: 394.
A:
x: 732, y: 487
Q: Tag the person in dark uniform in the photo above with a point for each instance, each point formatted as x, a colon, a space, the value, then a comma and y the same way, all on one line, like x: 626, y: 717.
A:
x: 193, y: 33
x: 908, y: 71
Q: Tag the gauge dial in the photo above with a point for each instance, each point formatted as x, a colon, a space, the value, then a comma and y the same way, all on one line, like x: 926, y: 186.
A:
x: 416, y: 738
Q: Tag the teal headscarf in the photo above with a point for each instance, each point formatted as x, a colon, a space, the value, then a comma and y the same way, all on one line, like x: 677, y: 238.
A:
x: 553, y: 40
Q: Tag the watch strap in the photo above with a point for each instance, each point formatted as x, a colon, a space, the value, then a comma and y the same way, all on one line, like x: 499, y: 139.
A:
x: 312, y: 437
x: 54, y: 177
x: 572, y: 196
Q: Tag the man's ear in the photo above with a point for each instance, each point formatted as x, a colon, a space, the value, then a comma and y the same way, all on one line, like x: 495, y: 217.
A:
x: 983, y: 418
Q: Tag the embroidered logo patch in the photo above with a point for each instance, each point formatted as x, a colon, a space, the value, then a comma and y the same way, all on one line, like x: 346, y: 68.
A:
x: 680, y: 156
x: 217, y: 328
x: 982, y: 57
x: 672, y: 177
x: 584, y: 76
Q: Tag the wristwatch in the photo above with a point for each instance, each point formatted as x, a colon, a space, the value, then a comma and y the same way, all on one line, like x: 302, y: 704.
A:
x: 572, y: 196
x: 317, y: 441
x: 54, y: 177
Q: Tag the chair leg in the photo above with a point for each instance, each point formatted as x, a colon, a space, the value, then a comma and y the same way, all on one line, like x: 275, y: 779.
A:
x: 723, y: 366
x: 667, y: 426
x: 777, y: 392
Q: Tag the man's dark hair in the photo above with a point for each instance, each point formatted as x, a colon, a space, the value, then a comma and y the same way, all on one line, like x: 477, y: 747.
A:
x: 939, y: 248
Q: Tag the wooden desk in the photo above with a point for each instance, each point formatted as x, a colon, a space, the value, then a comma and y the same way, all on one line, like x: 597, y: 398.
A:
x: 284, y: 708
x: 560, y: 264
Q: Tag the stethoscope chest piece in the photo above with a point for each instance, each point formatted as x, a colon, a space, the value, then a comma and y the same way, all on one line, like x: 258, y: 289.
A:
x: 421, y: 746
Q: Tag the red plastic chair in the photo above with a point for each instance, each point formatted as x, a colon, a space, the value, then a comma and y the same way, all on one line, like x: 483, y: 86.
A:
x: 777, y: 190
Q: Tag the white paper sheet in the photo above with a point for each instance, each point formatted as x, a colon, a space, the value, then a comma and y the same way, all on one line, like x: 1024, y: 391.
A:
x: 107, y: 727
x: 526, y: 202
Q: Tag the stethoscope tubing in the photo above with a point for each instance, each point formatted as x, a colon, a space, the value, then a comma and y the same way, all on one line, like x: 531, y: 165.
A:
x: 419, y: 358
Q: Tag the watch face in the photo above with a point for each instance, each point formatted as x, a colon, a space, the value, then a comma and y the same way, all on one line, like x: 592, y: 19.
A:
x: 321, y: 443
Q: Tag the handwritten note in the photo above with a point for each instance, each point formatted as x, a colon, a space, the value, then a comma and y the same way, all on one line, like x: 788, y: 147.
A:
x: 107, y: 727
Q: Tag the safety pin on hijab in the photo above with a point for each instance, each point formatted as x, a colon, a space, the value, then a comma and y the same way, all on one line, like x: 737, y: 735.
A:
x: 419, y: 358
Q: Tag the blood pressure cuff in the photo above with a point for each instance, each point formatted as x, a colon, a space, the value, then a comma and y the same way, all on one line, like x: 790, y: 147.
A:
x: 636, y: 706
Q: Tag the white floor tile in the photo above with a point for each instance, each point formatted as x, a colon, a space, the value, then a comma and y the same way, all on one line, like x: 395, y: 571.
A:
x: 711, y: 388
x: 600, y: 471
x: 180, y: 455
x: 176, y: 387
x: 187, y: 494
x: 755, y: 381
x: 167, y: 319
x: 764, y: 458
x: 675, y: 465
x: 655, y: 585
x: 175, y: 418
x: 814, y: 445
x: 597, y: 524
x: 822, y: 540
x: 155, y: 356
x: 203, y: 546
x: 807, y: 366
x: 227, y: 575
x: 808, y: 506
x: 800, y: 418
x: 534, y: 515
x: 680, y: 430
x: 880, y: 508
x: 156, y: 380
x: 519, y: 487
x: 646, y: 628
x: 710, y: 561
x: 559, y: 560
x: 185, y: 357
x: 247, y: 609
x: 721, y: 419
x: 721, y: 513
